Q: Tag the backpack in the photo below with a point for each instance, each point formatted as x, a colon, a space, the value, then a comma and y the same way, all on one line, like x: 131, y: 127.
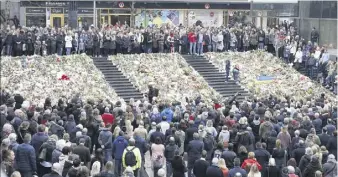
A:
x: 130, y: 157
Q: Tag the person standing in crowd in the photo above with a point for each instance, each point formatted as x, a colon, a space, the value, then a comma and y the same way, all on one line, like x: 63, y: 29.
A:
x: 213, y: 170
x: 26, y: 159
x: 194, y: 149
x: 105, y: 140
x: 201, y: 165
x: 131, y: 157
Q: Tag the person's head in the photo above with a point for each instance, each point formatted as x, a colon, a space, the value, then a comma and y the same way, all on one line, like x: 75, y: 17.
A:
x: 308, y: 151
x: 237, y: 162
x: 204, y: 154
x: 41, y: 128
x: 82, y: 141
x: 297, y: 133
x: 221, y: 163
x: 27, y: 138
x: 108, y: 166
x: 66, y: 137
x: 158, y: 127
x: 278, y: 144
x: 230, y: 146
x: 12, y: 137
x: 196, y: 136
x: 131, y: 142
x: 318, y: 173
x: 7, y: 155
x: 66, y: 150
x: 292, y: 162
x: 158, y: 140
x: 291, y: 170
x: 161, y: 172
x: 258, y: 145
x: 214, y: 161
x: 76, y: 162
x: 272, y: 162
x: 57, y: 168
x: 242, y: 149
x: 16, y: 174
x: 251, y: 155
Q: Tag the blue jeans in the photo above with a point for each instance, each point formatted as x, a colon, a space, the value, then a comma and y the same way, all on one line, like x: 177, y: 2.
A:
x: 118, y: 167
x: 227, y: 73
x: 68, y: 49
x: 199, y: 48
x: 192, y: 48
x: 107, y: 155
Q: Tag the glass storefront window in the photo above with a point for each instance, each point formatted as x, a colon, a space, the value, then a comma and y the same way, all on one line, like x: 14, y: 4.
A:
x: 329, y: 9
x: 35, y: 20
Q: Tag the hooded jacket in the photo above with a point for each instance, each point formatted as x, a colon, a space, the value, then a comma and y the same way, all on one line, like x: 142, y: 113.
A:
x: 169, y: 152
x: 304, y: 161
x: 312, y: 167
x: 330, y: 168
x: 119, y: 145
x: 168, y: 113
x: 243, y: 139
x: 265, y: 129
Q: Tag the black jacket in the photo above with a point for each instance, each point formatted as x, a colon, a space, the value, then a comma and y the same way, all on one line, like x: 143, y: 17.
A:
x: 229, y: 157
x: 304, y: 161
x: 83, y: 152
x: 214, y: 171
x: 178, y: 167
x: 311, y: 168
x: 200, y: 168
x: 279, y: 155
x: 271, y: 171
x: 262, y: 156
x: 298, y: 153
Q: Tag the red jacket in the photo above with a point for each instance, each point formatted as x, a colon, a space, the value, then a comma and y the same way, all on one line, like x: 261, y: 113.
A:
x: 107, y: 118
x: 192, y: 37
x: 251, y: 162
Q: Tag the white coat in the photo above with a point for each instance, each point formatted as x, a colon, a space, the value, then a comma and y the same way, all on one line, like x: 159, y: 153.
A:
x: 68, y: 40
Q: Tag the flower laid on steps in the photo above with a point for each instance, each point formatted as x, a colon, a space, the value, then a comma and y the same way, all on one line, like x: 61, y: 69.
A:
x: 286, y: 80
x: 169, y: 73
x: 55, y: 77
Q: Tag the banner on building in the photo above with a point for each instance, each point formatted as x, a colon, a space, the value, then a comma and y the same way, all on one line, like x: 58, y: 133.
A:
x: 205, y: 17
x: 157, y: 17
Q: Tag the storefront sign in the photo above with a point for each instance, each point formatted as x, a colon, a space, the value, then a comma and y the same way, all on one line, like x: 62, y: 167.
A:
x: 57, y: 4
x: 121, y: 4
x: 207, y: 6
x: 35, y: 10
x: 85, y: 11
x: 57, y: 10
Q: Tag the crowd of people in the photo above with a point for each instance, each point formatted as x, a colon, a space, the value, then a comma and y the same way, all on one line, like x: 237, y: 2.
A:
x: 110, y: 40
x: 260, y: 137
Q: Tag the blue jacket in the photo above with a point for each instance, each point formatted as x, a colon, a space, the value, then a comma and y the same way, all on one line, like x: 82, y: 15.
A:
x: 168, y: 113
x: 235, y: 170
x: 141, y: 144
x: 106, y: 138
x: 119, y: 145
x: 156, y: 118
x: 38, y: 139
x: 26, y: 159
x: 70, y: 125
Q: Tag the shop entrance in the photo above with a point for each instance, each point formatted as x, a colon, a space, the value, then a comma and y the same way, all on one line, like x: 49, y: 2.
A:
x: 114, y: 19
x: 57, y: 20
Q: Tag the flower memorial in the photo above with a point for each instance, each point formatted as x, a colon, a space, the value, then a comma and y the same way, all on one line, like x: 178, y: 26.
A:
x: 169, y: 73
x: 37, y: 78
x: 286, y: 80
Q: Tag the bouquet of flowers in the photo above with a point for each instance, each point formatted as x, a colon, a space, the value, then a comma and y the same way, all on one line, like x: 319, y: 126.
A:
x: 55, y: 77
x: 286, y: 80
x: 169, y: 73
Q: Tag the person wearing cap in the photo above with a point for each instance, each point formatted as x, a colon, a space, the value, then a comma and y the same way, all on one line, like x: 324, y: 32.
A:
x: 107, y: 117
x: 194, y: 149
x: 56, y: 171
x: 213, y: 170
x: 83, y: 152
x: 25, y: 159
x: 330, y: 167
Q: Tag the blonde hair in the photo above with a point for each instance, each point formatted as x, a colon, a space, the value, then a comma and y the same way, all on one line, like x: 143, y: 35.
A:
x: 117, y: 131
x: 278, y: 144
x: 253, y: 170
x: 251, y: 155
x: 221, y: 163
x: 95, y: 168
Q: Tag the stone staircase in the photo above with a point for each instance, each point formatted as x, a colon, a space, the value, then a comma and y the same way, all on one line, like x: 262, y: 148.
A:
x: 116, y: 79
x: 215, y: 78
